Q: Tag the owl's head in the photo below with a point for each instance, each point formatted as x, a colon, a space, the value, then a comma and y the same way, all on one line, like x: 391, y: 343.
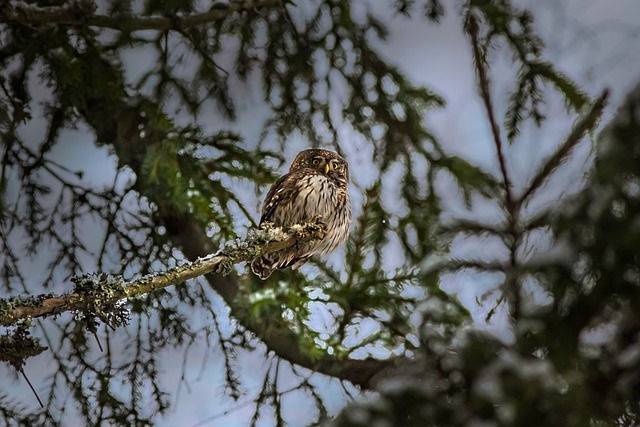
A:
x: 328, y: 162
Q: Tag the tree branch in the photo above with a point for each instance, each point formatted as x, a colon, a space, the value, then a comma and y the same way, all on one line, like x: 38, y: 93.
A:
x: 582, y: 126
x: 81, y: 13
x: 483, y: 84
x: 116, y: 120
x: 511, y: 282
x: 101, y: 290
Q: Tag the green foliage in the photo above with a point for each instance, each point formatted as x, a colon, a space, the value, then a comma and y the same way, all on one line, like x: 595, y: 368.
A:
x: 433, y: 9
x: 176, y: 194
x: 577, y: 350
x: 470, y: 178
x: 17, y: 346
x: 505, y: 23
x: 600, y: 288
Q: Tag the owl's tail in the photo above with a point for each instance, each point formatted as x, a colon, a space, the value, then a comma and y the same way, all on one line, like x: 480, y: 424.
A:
x: 263, y: 266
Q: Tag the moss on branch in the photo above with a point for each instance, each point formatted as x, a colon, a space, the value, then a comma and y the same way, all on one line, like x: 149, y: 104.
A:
x: 98, y: 294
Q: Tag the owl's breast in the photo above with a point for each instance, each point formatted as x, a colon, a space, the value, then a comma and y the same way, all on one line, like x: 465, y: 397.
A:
x: 303, y: 196
x: 318, y: 195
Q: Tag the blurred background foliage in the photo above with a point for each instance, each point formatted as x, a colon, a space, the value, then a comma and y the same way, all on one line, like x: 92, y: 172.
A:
x: 151, y: 85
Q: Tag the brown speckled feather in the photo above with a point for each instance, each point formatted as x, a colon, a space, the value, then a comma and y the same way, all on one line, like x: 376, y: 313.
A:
x: 316, y: 185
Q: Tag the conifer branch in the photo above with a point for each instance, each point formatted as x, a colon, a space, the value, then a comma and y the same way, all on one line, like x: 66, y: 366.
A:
x: 485, y: 94
x: 82, y: 13
x: 99, y: 293
x: 512, y: 236
x: 583, y: 125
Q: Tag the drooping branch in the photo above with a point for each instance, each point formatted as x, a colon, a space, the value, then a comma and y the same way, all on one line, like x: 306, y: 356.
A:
x: 82, y: 13
x: 100, y: 290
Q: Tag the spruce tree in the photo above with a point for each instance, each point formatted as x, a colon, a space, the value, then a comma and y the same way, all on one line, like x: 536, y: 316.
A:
x: 96, y: 281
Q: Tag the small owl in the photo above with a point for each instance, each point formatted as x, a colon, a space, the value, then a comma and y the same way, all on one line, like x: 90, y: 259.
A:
x: 315, y: 186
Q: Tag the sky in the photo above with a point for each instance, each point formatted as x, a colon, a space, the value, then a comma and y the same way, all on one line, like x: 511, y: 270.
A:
x: 591, y: 41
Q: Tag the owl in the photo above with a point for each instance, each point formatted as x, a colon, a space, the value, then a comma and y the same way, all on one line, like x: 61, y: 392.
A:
x: 315, y: 186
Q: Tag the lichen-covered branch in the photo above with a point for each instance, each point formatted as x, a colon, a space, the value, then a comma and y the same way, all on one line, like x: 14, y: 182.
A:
x: 82, y: 13
x: 97, y: 292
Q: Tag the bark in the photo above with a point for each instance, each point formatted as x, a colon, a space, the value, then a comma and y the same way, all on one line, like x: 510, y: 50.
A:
x: 100, y: 290
x: 82, y: 13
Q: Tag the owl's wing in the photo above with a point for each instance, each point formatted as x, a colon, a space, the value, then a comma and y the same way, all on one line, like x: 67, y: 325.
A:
x: 282, y: 190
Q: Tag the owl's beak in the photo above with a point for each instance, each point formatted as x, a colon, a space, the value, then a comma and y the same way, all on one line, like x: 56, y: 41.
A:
x: 326, y: 168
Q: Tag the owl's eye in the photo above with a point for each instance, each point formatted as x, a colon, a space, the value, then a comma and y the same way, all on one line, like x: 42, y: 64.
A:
x: 315, y: 162
x: 335, y: 165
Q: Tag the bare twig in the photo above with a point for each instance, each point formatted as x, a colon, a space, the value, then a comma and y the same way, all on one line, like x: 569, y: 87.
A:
x: 31, y: 387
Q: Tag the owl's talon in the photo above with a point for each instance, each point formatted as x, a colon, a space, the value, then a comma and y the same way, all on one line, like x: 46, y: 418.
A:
x: 318, y: 220
x: 309, y: 232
